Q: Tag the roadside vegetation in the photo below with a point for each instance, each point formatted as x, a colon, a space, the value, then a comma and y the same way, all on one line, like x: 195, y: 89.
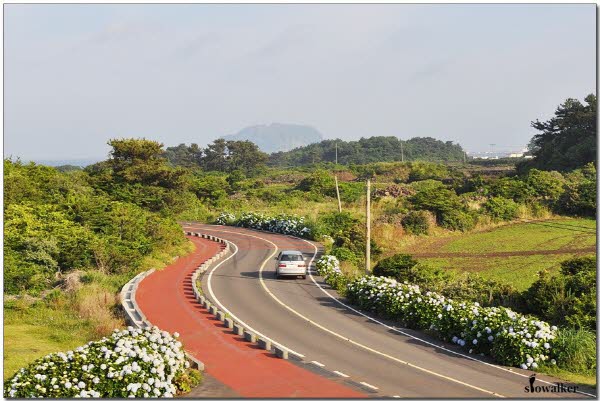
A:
x: 73, y: 239
x: 495, y: 233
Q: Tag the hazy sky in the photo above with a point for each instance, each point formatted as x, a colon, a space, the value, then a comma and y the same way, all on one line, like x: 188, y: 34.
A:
x: 77, y: 75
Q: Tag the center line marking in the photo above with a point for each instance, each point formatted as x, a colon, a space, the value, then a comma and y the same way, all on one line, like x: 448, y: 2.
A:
x: 340, y: 373
x: 317, y: 363
x: 367, y: 348
x: 369, y: 385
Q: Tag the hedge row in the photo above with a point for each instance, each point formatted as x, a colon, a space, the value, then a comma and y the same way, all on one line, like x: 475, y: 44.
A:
x: 281, y: 223
x: 509, y: 337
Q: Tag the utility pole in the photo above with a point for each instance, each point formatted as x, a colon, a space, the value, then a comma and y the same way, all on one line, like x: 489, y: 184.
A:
x: 337, y: 191
x: 368, y: 244
x: 402, y: 151
x: 337, y: 188
x: 336, y: 152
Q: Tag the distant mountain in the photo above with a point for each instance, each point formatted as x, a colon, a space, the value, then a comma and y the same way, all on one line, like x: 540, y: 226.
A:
x: 278, y: 137
x: 68, y: 162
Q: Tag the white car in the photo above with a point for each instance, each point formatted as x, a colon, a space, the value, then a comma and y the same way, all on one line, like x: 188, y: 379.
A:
x: 290, y: 263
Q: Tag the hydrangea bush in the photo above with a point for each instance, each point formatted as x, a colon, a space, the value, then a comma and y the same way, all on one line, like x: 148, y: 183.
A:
x: 129, y: 363
x: 281, y: 223
x: 328, y: 267
x: 511, y: 338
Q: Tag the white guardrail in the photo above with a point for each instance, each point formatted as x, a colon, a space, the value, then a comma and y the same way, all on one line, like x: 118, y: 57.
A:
x: 238, y: 328
x: 135, y: 317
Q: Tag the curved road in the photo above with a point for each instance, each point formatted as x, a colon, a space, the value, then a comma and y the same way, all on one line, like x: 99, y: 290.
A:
x: 168, y: 301
x: 309, y: 319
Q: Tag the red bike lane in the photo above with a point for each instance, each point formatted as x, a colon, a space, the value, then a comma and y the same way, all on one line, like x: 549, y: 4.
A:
x: 167, y: 300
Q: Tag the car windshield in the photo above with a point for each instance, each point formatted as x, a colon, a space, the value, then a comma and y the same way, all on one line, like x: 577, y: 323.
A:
x: 291, y: 258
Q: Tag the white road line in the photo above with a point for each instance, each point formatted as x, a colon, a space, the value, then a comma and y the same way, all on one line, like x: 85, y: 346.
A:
x: 260, y: 277
x: 396, y: 396
x: 417, y: 338
x: 340, y: 373
x: 317, y: 363
x: 234, y: 317
x: 369, y: 385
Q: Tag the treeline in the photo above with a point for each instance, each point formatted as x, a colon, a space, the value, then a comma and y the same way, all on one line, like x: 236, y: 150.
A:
x: 221, y: 156
x: 427, y: 194
x: 226, y: 156
x: 370, y: 150
x: 108, y: 217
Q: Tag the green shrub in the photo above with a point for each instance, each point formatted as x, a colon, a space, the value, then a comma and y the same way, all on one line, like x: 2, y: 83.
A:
x: 355, y: 240
x: 335, y: 223
x: 548, y: 186
x: 350, y: 191
x: 579, y: 196
x: 584, y: 264
x: 509, y: 188
x: 426, y: 171
x: 211, y: 187
x: 500, y: 209
x: 575, y: 350
x: 457, y: 220
x: 235, y: 180
x: 397, y: 267
x: 568, y: 298
x: 320, y: 182
x: 416, y: 222
x: 447, y: 206
x: 345, y: 254
x: 186, y: 380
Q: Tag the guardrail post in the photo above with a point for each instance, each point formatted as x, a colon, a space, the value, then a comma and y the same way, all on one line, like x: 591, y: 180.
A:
x: 238, y: 329
x: 250, y: 336
x: 264, y: 344
x: 281, y: 352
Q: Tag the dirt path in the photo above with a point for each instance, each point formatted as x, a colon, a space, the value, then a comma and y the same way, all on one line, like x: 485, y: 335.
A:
x: 577, y: 251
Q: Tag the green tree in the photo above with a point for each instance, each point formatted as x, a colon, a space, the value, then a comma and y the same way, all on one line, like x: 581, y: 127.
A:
x: 183, y: 155
x: 568, y: 140
x: 227, y: 156
x: 245, y: 156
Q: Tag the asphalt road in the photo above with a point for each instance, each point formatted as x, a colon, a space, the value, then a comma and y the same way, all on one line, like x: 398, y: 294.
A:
x: 311, y: 320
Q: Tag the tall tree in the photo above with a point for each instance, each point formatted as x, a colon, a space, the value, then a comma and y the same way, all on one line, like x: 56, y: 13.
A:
x: 183, y: 155
x: 245, y: 156
x: 215, y: 156
x: 228, y: 156
x: 568, y: 140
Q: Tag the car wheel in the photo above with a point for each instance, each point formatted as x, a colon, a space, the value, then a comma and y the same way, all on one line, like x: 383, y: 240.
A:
x: 304, y: 277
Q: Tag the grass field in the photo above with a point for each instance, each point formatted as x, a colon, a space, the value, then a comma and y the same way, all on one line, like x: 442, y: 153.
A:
x: 34, y: 328
x: 512, y: 253
x: 31, y: 332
